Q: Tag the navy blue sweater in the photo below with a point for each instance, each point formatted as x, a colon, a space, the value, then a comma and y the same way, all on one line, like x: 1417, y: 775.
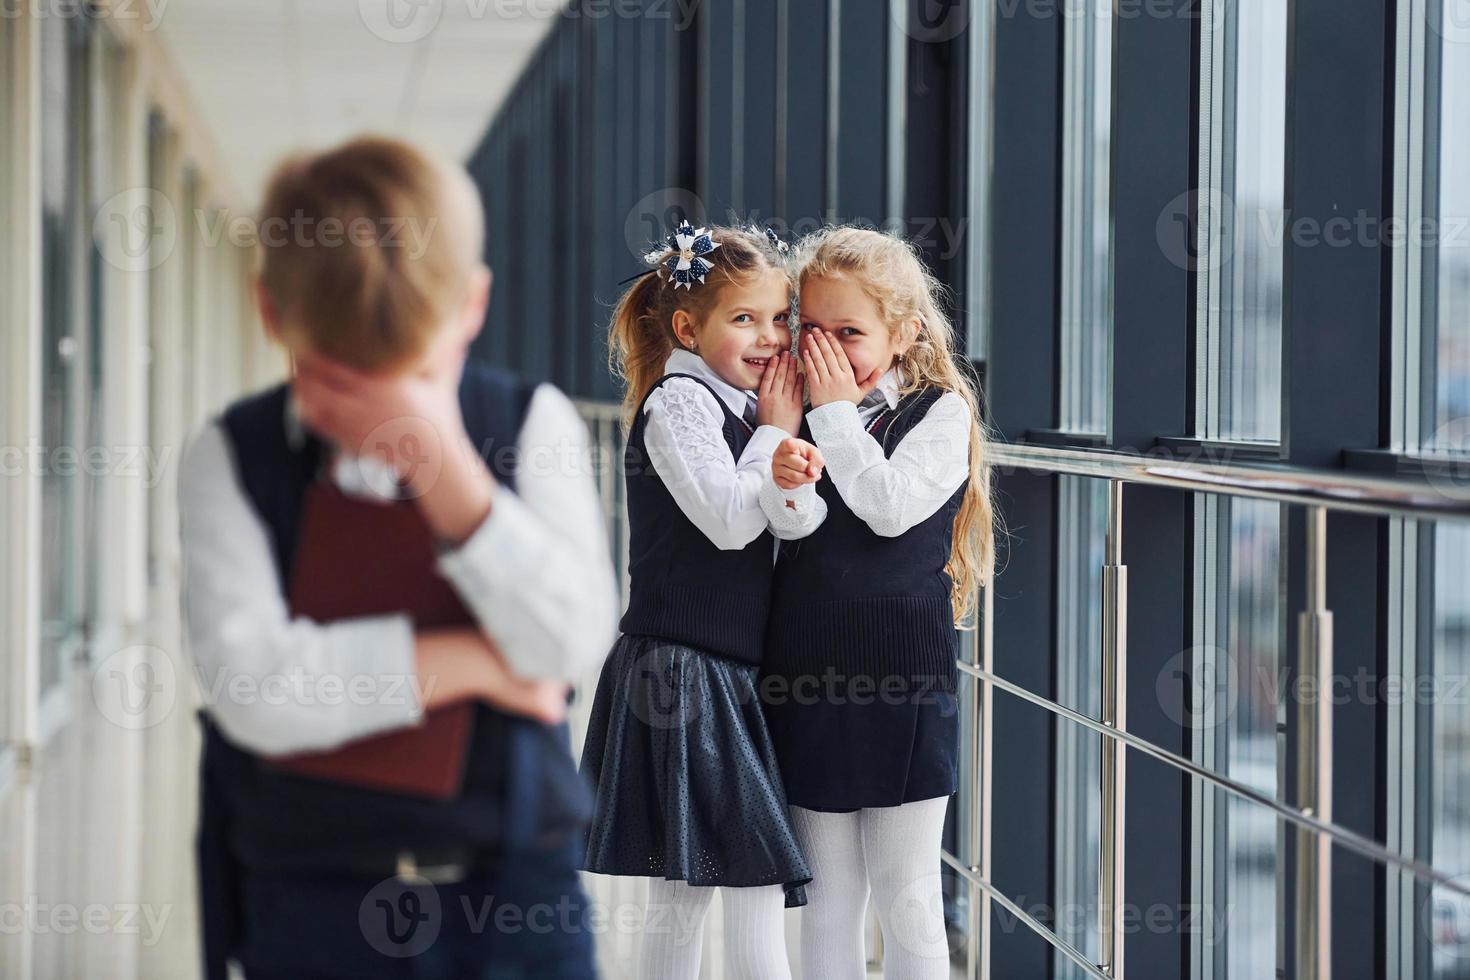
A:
x: 682, y: 587
x: 848, y: 599
x: 521, y: 787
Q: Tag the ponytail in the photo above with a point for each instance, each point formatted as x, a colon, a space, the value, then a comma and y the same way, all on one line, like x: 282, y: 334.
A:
x: 638, y: 343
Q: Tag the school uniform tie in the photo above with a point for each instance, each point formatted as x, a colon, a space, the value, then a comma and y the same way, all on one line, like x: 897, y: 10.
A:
x: 749, y: 410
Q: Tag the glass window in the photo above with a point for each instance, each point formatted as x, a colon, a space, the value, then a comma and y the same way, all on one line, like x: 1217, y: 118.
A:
x: 1082, y: 530
x: 190, y: 296
x: 1235, y: 709
x: 158, y: 312
x: 8, y: 668
x: 1087, y: 282
x: 104, y: 87
x: 1445, y: 389
x: 1428, y: 754
x: 1445, y: 917
x: 1242, y: 159
x: 960, y: 898
x: 982, y: 103
x: 1427, y: 927
x: 64, y: 368
x: 962, y: 820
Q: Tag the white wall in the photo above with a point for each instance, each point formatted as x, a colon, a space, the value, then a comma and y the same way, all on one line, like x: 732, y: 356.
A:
x: 98, y: 812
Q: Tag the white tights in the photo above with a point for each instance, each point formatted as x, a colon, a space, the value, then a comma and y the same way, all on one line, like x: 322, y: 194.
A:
x: 895, y: 852
x: 673, y: 931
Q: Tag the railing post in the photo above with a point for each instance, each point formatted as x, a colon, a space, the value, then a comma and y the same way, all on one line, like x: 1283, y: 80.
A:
x: 1114, y: 751
x: 1313, y: 958
x: 981, y: 730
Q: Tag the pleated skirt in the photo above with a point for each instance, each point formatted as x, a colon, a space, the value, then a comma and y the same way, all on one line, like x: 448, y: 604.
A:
x: 686, y: 776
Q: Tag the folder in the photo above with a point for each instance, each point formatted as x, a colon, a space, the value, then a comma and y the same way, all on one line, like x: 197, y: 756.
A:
x: 356, y: 557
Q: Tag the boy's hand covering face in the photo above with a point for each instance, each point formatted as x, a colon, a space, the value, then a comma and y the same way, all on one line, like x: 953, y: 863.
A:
x: 406, y: 418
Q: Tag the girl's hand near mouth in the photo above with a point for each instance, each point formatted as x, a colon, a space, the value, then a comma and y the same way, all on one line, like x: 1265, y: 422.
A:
x: 778, y: 402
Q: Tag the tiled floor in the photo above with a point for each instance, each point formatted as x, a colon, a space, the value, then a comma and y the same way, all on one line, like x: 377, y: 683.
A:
x: 96, y: 868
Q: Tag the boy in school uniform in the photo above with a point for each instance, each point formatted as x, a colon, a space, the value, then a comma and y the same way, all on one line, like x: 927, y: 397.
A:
x: 456, y: 863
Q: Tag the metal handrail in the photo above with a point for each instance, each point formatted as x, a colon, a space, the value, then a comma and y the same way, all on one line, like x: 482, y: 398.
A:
x: 1365, y: 846
x: 1334, y: 489
x: 1031, y: 922
x: 1317, y: 489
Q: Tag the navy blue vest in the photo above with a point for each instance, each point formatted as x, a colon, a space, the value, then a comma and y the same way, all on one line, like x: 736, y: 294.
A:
x: 521, y: 787
x: 682, y: 587
x: 846, y: 598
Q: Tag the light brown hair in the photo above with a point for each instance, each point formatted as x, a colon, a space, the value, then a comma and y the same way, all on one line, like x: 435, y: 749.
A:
x: 368, y: 249
x: 890, y: 271
x: 641, y: 336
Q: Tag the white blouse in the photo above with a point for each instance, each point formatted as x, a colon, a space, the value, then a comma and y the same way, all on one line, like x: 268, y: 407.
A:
x: 890, y: 494
x: 686, y: 446
x: 536, y: 574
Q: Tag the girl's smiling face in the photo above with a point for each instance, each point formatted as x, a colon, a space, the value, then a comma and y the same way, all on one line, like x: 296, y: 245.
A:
x: 849, y: 316
x: 747, y: 326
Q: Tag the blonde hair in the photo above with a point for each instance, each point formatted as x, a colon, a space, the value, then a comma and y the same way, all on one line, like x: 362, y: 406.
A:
x: 406, y: 233
x: 890, y: 271
x: 641, y: 336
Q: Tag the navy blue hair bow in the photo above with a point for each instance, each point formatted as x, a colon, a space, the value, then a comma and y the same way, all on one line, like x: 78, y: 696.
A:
x: 688, y: 265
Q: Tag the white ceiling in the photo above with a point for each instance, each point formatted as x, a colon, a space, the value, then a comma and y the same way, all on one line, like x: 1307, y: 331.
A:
x: 272, y: 76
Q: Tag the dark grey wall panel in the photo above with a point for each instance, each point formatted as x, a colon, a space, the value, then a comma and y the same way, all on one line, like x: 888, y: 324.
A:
x: 1023, y: 223
x: 862, y: 110
x: 804, y: 199
x: 721, y: 94
x: 757, y: 121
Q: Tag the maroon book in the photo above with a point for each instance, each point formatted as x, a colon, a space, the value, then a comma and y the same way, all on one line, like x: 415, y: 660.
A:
x: 356, y: 558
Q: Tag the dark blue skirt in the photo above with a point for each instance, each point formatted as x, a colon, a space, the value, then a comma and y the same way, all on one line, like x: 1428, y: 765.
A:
x: 847, y: 747
x: 685, y: 773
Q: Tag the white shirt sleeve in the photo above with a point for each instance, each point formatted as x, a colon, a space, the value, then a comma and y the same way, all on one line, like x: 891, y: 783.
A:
x: 274, y: 684
x: 537, y: 573
x: 893, y: 494
x: 687, y: 449
x: 792, y: 514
